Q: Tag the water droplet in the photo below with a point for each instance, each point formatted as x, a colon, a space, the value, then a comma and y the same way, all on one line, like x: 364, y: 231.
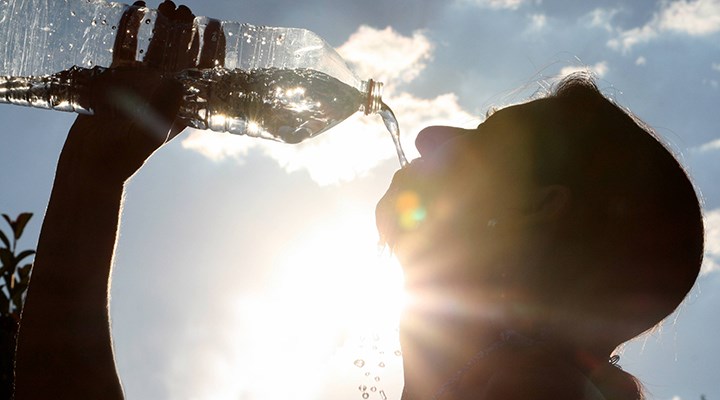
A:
x: 362, y: 388
x: 398, y: 353
x: 366, y: 395
x: 73, y: 13
x: 381, y: 364
x: 147, y: 21
x: 377, y: 379
x: 382, y: 394
x: 359, y: 363
x: 367, y: 374
x: 104, y: 22
x: 93, y: 23
x: 114, y: 27
x: 142, y: 51
x: 373, y: 389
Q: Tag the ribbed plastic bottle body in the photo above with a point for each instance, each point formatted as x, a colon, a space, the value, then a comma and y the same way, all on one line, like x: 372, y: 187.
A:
x: 45, y: 37
x: 287, y: 105
x: 285, y: 84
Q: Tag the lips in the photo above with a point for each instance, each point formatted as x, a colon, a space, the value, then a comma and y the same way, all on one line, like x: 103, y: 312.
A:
x: 403, y: 207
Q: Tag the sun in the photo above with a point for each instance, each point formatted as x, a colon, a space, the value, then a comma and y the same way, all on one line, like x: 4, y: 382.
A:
x: 338, y: 268
x: 332, y: 288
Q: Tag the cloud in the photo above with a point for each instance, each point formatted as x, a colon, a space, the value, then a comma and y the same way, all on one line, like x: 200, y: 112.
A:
x: 700, y: 17
x: 386, y: 55
x: 538, y: 21
x: 599, y: 70
x: 360, y: 143
x: 703, y: 163
x: 712, y: 242
x: 693, y: 17
x: 496, y: 4
x: 716, y: 66
x: 641, y: 61
x: 602, y: 18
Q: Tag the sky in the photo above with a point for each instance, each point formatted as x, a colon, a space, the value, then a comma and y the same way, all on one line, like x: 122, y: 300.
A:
x: 248, y: 269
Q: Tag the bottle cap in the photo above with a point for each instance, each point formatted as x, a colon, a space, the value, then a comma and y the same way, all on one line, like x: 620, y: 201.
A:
x: 373, y: 102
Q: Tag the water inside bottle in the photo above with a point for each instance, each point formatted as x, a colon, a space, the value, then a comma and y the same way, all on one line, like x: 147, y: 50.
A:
x: 279, y: 104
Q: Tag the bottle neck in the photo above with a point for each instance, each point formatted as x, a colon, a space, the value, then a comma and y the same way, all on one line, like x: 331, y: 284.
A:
x: 372, y: 90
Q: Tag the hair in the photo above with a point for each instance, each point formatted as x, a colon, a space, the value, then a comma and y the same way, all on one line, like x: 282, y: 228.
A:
x: 631, y: 243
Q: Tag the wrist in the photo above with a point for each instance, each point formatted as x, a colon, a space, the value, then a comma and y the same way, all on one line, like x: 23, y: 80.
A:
x: 101, y: 151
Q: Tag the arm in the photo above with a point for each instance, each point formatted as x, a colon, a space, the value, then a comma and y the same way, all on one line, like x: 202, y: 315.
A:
x: 64, y: 345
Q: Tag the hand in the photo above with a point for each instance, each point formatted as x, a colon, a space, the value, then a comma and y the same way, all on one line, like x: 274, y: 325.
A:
x: 135, y: 103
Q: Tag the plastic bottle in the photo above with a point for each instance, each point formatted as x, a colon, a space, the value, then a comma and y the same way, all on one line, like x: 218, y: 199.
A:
x: 284, y: 84
x: 43, y: 37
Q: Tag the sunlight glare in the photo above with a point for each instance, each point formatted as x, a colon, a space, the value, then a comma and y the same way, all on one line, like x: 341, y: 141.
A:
x: 332, y: 289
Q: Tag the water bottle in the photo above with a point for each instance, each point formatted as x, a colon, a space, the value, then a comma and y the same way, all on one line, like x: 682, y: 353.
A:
x: 285, y: 84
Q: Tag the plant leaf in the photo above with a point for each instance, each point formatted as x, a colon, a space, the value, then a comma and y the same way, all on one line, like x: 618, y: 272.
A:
x: 22, y: 255
x: 20, y: 224
x: 23, y: 275
x: 4, y: 239
x: 17, y: 299
x: 7, y: 218
x: 4, y: 305
x: 7, y: 258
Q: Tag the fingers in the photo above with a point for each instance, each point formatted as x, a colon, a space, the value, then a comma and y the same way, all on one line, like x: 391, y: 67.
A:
x: 174, y: 45
x: 126, y: 41
x: 213, y: 51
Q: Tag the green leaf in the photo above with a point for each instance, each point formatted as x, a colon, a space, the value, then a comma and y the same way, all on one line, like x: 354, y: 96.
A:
x: 22, y: 255
x: 4, y: 239
x: 20, y: 224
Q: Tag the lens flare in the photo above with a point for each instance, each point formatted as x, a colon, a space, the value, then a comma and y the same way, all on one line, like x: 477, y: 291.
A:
x: 410, y: 210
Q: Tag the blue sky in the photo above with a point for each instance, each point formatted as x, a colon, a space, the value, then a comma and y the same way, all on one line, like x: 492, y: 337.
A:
x: 248, y: 269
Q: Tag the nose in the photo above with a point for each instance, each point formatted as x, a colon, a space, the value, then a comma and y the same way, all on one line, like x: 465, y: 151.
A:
x: 432, y: 137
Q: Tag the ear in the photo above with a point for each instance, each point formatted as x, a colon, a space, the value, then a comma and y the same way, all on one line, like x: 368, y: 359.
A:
x: 549, y: 203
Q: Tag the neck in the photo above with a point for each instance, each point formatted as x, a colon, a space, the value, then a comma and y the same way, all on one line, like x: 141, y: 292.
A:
x: 438, y: 341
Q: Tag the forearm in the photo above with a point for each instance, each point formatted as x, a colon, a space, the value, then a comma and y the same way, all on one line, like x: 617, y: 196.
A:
x: 64, y: 346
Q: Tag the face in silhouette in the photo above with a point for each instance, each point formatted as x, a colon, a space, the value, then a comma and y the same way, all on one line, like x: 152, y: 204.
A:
x: 458, y: 216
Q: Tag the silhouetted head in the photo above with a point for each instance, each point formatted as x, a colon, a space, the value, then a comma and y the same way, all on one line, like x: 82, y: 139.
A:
x: 564, y: 215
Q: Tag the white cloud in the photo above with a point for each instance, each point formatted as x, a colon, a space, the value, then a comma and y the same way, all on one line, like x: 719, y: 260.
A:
x: 703, y: 163
x: 712, y: 242
x: 599, y: 70
x: 496, y: 4
x: 628, y: 39
x: 219, y: 146
x: 716, y: 66
x: 602, y: 18
x: 538, y: 21
x: 699, y: 17
x: 691, y: 17
x: 360, y: 143
x: 386, y: 55
x: 640, y: 61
